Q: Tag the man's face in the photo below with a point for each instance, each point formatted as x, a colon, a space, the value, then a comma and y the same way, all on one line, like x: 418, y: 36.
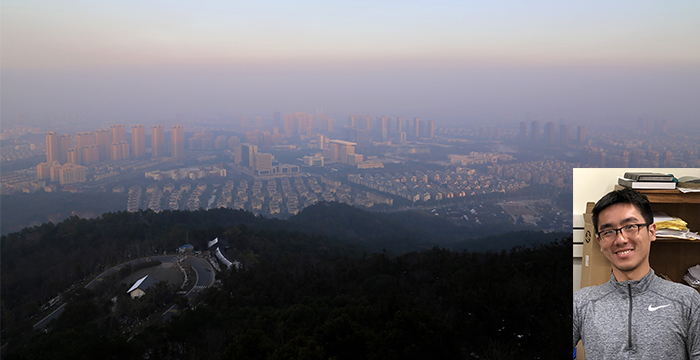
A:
x: 629, y: 256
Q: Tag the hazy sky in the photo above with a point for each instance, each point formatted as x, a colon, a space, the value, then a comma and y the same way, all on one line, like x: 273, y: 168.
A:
x: 133, y: 60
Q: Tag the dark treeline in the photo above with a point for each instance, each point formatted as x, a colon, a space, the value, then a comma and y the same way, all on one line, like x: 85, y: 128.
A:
x: 301, y: 295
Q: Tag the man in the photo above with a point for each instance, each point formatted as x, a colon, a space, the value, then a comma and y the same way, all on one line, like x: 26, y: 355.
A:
x: 635, y: 315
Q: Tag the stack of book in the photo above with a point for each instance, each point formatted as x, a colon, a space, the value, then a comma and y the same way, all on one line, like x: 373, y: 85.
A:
x: 647, y: 180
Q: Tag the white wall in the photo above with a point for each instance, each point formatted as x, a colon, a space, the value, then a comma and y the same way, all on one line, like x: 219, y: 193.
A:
x: 590, y: 184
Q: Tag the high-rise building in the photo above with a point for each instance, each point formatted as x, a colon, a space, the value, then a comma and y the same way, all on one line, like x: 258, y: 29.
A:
x: 259, y: 122
x: 564, y: 134
x: 323, y: 123
x: 339, y: 150
x: 178, y: 141
x: 220, y: 142
x: 103, y: 139
x: 71, y: 174
x: 75, y: 156
x: 581, y: 135
x: 416, y: 127
x: 352, y: 120
x: 660, y: 126
x: 549, y: 134
x: 118, y: 133
x: 644, y: 125
x: 522, y: 135
x: 157, y: 141
x: 234, y: 143
x: 381, y: 129
x: 276, y: 119
x: 91, y: 154
x: 138, y: 141
x: 119, y: 151
x: 43, y: 171
x: 263, y: 163
x: 52, y: 147
x: 321, y: 140
x: 535, y: 131
x: 64, y: 145
x: 248, y: 152
x: 288, y: 125
x: 431, y: 129
x: 84, y: 139
x: 295, y: 124
x: 311, y: 125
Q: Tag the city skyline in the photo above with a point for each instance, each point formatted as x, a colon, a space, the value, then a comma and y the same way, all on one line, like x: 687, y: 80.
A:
x: 594, y: 62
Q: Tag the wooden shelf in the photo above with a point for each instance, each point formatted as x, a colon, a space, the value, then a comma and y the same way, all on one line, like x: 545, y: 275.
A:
x: 675, y: 240
x: 674, y: 196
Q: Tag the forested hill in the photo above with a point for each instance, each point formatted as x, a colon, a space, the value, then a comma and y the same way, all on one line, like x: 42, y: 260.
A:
x: 305, y: 286
x: 400, y: 232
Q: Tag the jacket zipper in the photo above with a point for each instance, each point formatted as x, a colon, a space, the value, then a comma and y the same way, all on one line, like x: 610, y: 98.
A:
x: 629, y: 320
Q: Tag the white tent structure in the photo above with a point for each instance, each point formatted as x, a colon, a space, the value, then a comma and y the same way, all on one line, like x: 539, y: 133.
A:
x: 139, y: 288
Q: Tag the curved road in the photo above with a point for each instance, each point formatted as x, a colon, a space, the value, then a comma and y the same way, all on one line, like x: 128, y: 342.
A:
x: 204, y: 278
x: 204, y: 274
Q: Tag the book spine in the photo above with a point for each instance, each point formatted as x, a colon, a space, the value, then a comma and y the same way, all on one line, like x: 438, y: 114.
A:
x: 655, y: 178
x: 648, y: 177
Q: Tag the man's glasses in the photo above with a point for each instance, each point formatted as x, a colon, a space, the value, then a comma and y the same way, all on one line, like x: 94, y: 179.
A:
x: 627, y: 231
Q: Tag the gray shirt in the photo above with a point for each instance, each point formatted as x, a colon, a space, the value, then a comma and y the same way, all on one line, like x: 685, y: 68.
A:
x: 647, y: 319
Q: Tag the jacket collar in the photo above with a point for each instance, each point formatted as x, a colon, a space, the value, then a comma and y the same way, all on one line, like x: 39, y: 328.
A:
x: 637, y: 286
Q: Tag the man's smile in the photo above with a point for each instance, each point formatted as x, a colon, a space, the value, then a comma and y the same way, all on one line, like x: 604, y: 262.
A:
x: 623, y: 253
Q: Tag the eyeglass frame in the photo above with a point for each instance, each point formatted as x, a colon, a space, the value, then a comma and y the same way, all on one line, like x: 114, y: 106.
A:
x: 619, y: 230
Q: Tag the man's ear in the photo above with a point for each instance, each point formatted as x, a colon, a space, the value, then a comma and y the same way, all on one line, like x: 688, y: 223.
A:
x: 652, y: 231
x: 597, y: 239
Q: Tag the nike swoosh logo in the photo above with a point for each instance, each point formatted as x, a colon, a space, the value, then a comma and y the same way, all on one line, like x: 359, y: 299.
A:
x: 654, y: 308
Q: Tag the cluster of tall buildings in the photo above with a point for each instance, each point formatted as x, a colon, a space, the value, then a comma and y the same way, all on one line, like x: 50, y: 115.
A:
x: 261, y: 164
x: 363, y: 129
x: 359, y: 128
x: 301, y: 123
x: 66, y: 160
x: 551, y: 135
x: 598, y: 157
x: 111, y: 144
x: 342, y: 152
x: 63, y: 173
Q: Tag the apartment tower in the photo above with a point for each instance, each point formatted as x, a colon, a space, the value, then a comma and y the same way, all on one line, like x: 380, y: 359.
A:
x: 103, y: 139
x: 118, y: 133
x: 138, y: 141
x: 52, y: 147
x: 178, y: 141
x: 157, y: 141
x: 65, y: 143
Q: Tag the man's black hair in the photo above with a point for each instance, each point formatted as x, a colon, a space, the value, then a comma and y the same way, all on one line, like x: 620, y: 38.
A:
x: 624, y: 196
